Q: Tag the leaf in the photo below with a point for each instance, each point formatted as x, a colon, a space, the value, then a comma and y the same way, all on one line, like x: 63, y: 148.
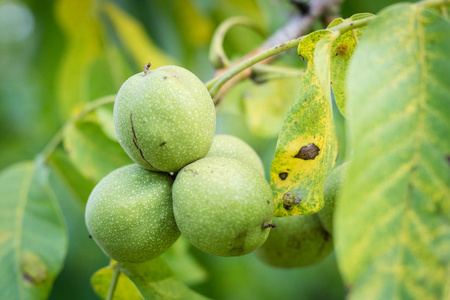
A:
x: 266, y: 105
x: 72, y: 179
x: 306, y: 148
x: 134, y: 38
x: 341, y: 52
x: 93, y: 153
x: 100, y: 80
x: 106, y: 121
x: 183, y: 263
x: 197, y: 28
x: 83, y: 35
x: 125, y: 289
x: 33, y: 237
x: 392, y: 220
x: 153, y: 279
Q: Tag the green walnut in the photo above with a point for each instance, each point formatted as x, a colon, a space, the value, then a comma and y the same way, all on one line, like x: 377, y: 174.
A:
x: 331, y: 193
x: 296, y: 242
x: 164, y: 118
x: 222, y: 206
x: 129, y: 214
x: 230, y: 146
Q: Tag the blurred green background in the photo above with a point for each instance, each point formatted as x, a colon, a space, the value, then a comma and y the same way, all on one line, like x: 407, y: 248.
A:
x: 56, y: 56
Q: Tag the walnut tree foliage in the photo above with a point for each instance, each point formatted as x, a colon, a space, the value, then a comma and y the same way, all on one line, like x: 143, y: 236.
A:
x: 388, y: 74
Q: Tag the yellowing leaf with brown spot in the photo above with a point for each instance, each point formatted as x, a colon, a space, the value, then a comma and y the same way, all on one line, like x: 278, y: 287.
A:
x: 306, y: 148
x: 33, y: 236
x: 342, y: 50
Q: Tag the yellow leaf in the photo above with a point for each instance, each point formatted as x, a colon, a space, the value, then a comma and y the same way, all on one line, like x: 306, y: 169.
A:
x: 135, y: 39
x: 197, y: 28
x: 83, y: 34
x: 125, y: 289
x: 306, y: 148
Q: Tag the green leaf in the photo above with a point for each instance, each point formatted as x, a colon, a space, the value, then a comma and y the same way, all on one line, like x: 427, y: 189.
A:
x: 33, y: 237
x: 83, y: 35
x: 125, y: 289
x: 266, y: 105
x: 393, y: 217
x: 93, y: 153
x: 73, y: 180
x: 342, y: 50
x: 306, y: 148
x: 184, y: 265
x: 153, y: 279
x: 134, y: 38
x: 106, y: 121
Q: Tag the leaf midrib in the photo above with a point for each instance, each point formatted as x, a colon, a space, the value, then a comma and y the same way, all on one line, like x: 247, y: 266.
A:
x: 23, y: 197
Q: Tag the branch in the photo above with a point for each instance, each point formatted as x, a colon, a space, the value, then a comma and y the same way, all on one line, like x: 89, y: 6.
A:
x: 297, y: 26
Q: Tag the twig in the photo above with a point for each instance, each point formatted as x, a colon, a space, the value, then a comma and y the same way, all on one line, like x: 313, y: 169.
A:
x: 217, y: 55
x: 297, y: 26
x: 242, y: 67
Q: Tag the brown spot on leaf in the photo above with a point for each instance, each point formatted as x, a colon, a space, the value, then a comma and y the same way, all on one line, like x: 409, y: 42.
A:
x: 283, y: 175
x: 288, y: 200
x: 28, y: 278
x: 342, y: 49
x: 33, y: 269
x: 308, y: 152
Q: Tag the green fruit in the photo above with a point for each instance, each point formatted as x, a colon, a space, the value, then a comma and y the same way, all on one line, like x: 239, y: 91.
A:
x: 222, y: 206
x: 229, y: 146
x: 296, y: 242
x: 330, y: 193
x: 164, y: 118
x: 129, y: 214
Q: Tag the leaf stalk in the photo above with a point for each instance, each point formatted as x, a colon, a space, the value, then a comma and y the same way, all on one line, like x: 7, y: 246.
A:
x: 58, y: 137
x: 114, y: 280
